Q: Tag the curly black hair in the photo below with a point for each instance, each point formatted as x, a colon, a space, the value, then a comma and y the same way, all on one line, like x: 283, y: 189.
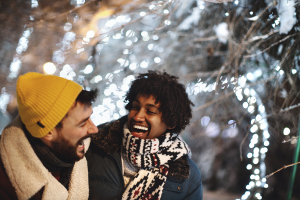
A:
x: 171, y: 95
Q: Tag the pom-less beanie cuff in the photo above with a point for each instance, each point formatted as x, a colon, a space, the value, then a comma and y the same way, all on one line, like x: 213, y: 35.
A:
x: 42, y: 107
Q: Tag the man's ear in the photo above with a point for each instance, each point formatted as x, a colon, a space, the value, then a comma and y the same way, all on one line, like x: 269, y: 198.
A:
x: 49, y: 137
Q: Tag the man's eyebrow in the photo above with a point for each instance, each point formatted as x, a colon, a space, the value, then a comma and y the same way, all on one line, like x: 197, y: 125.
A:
x: 84, y: 120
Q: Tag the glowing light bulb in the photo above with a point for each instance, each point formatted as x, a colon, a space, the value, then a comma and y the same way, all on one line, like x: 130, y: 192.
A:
x: 49, y: 68
x: 90, y: 34
x: 255, y: 160
x: 286, y: 131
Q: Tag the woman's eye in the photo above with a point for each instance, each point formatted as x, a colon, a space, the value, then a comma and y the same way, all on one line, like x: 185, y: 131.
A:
x: 150, y: 112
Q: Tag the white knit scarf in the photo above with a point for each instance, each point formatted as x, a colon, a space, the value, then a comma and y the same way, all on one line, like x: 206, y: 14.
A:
x: 152, y: 156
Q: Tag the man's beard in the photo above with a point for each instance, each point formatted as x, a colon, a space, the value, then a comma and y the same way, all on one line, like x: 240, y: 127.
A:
x: 65, y: 151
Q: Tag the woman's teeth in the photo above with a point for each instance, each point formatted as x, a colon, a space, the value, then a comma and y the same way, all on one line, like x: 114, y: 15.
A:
x: 140, y: 127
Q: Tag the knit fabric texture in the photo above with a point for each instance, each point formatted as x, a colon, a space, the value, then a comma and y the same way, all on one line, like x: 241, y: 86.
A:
x: 44, y: 100
x: 153, y: 157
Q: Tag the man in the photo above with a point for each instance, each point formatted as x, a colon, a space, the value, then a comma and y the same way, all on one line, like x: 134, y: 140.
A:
x: 141, y: 156
x: 42, y: 151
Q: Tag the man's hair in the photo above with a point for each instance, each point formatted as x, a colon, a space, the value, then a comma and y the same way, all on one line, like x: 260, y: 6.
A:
x: 86, y: 98
x: 171, y: 95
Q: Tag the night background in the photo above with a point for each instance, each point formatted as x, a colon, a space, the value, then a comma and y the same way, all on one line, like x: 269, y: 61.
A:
x: 239, y: 61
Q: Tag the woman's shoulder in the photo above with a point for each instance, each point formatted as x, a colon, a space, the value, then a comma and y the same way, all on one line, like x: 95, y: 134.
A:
x: 195, y: 174
x: 189, y: 187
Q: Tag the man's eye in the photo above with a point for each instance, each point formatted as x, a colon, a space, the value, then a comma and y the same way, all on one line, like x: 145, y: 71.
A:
x: 82, y: 125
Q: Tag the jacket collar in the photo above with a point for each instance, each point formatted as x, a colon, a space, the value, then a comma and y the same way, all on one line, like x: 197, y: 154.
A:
x: 27, y: 173
x: 109, y: 138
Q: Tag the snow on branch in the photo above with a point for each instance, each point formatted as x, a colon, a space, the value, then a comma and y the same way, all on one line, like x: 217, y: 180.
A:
x: 286, y: 10
x: 218, y: 1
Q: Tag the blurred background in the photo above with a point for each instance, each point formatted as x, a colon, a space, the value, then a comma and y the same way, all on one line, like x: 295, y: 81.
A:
x: 239, y: 61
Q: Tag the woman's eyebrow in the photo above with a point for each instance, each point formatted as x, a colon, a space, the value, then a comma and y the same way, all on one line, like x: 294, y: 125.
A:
x: 151, y: 105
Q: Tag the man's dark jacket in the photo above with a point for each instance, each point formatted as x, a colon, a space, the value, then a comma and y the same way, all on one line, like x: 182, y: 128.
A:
x: 105, y: 168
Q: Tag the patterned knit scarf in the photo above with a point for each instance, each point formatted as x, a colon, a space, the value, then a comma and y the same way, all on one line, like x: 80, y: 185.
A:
x: 152, y: 156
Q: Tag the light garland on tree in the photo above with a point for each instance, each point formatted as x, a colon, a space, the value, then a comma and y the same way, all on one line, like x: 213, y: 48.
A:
x: 16, y: 64
x: 111, y: 109
x: 259, y: 142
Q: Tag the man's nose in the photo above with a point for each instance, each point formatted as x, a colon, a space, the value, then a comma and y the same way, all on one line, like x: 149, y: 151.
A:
x: 93, y: 128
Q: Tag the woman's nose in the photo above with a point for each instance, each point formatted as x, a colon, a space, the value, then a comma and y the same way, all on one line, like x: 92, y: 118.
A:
x: 139, y: 116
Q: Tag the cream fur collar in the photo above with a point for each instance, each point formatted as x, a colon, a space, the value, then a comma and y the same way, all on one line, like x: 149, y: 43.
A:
x: 27, y: 173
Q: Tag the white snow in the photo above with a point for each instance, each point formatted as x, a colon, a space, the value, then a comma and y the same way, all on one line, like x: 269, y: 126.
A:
x: 253, y: 18
x: 286, y: 10
x: 190, y: 20
x: 279, y: 49
x: 222, y: 32
x: 185, y: 6
x: 283, y: 93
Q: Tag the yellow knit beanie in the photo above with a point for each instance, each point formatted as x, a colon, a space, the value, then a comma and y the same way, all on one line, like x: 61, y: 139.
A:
x: 44, y: 100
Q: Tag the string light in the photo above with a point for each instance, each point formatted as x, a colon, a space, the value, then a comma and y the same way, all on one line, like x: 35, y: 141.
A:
x: 90, y: 34
x: 16, y: 63
x: 151, y: 7
x: 142, y: 14
x: 22, y: 47
x: 4, y: 100
x: 286, y: 131
x: 34, y: 3
x: 250, y: 101
x: 294, y: 71
x: 88, y: 69
x: 258, y: 142
x: 49, y: 68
